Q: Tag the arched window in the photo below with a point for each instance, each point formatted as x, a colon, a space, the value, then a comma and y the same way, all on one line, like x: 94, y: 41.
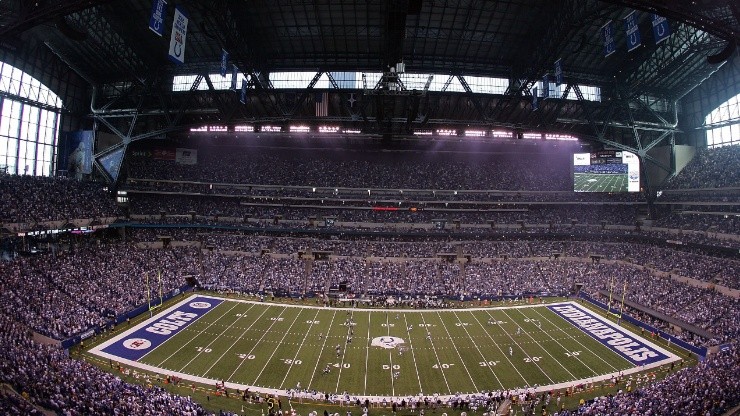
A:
x: 29, y: 123
x: 723, y: 124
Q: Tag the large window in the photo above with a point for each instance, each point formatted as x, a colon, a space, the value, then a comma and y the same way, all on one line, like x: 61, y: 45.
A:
x: 723, y: 124
x: 28, y: 132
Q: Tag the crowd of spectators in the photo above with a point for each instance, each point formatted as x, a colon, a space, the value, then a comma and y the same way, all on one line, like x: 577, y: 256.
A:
x: 710, y: 168
x: 397, y: 170
x: 74, y: 291
x: 31, y: 199
x: 710, y: 388
x: 45, y: 376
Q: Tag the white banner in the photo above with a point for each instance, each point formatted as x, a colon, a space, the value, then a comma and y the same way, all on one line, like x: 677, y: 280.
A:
x: 179, y: 35
x: 186, y: 156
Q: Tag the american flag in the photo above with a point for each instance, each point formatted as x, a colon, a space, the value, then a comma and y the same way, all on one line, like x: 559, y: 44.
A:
x: 322, y: 104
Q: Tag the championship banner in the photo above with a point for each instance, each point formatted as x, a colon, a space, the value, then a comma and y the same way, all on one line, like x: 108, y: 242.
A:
x: 607, y: 34
x: 179, y: 35
x: 545, y: 87
x: 234, y: 76
x: 634, y: 40
x: 186, y: 156
x: 224, y: 62
x: 156, y: 17
x: 661, y: 28
x: 558, y: 72
x: 535, y: 105
x: 243, y: 98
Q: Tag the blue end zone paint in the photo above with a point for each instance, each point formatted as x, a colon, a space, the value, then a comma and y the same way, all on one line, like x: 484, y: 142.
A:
x: 616, y: 339
x: 145, y: 339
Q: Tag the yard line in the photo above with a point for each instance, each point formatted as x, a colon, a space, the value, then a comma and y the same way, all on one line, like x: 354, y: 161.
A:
x: 214, y: 339
x: 239, y: 338
x: 299, y: 347
x: 352, y: 314
x: 499, y: 348
x: 367, y: 352
x: 390, y: 355
x: 322, y: 349
x: 267, y: 362
x: 454, y: 344
x: 479, y: 351
x: 541, y: 347
x: 193, y: 338
x: 579, y: 342
x: 523, y: 350
x: 435, y: 353
x: 413, y: 355
x: 255, y: 345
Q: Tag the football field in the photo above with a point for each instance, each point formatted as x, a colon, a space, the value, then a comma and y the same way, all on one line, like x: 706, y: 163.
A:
x: 374, y: 352
x: 599, y: 182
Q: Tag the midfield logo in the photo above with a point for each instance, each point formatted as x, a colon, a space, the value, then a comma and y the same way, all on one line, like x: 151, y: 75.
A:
x: 137, y: 343
x: 387, y: 342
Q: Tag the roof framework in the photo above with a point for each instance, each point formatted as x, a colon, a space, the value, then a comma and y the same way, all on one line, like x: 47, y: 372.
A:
x: 108, y: 44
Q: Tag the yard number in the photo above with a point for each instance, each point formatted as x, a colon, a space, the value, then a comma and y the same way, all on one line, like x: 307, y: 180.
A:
x: 289, y: 361
x: 394, y: 366
x: 488, y: 363
x: 443, y: 366
x: 573, y: 354
x: 532, y: 359
x: 245, y: 356
x: 201, y: 349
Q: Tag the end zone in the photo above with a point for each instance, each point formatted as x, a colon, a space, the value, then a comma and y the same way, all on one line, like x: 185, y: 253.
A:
x: 134, y: 344
x: 631, y: 347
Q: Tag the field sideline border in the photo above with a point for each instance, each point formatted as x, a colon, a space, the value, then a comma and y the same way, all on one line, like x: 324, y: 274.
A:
x: 97, y: 350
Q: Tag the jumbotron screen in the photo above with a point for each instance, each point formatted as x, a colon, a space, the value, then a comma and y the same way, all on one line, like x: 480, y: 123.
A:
x: 606, y: 171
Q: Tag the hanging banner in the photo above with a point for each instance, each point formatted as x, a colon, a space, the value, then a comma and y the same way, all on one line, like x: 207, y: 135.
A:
x: 661, y: 28
x: 558, y: 72
x: 224, y: 62
x: 179, y: 35
x: 156, y: 18
x: 545, y: 87
x: 243, y: 98
x: 607, y: 35
x: 634, y: 40
x: 234, y: 76
x: 535, y: 105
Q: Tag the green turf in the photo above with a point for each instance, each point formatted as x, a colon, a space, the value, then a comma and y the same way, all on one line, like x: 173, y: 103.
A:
x: 597, y: 182
x: 279, y: 346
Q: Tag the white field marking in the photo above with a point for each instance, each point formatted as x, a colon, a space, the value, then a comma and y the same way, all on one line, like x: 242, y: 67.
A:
x: 489, y: 308
x: 523, y: 350
x: 344, y: 354
x: 239, y: 338
x: 308, y: 386
x: 454, y: 344
x: 284, y: 393
x: 541, y: 347
x: 493, y: 342
x: 300, y: 346
x: 436, y: 355
x: 213, y: 340
x: 191, y: 339
x: 413, y: 355
x: 285, y: 334
x: 390, y: 355
x: 367, y: 352
x: 479, y: 351
x: 576, y: 340
x: 256, y: 344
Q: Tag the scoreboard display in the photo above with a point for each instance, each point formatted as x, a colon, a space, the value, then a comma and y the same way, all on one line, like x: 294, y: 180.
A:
x: 606, y: 171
